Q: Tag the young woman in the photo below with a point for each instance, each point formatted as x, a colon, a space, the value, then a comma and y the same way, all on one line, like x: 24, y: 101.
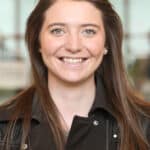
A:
x: 81, y: 98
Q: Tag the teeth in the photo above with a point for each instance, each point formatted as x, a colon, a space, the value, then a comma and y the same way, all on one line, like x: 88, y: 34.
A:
x: 72, y: 60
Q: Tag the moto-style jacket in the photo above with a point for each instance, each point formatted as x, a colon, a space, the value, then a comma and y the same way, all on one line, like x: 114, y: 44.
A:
x: 98, y: 131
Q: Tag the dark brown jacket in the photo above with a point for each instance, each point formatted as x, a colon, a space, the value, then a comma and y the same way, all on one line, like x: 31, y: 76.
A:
x: 97, y: 132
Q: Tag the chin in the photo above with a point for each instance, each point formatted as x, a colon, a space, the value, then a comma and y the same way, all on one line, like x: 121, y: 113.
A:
x: 76, y: 80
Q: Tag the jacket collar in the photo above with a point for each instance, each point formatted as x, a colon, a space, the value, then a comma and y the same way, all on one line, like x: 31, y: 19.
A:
x: 36, y: 108
x: 101, y: 101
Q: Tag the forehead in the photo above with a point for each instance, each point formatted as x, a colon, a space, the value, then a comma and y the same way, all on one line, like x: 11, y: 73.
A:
x: 73, y: 11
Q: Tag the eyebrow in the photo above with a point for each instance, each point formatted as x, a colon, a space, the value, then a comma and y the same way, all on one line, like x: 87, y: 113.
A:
x: 82, y: 25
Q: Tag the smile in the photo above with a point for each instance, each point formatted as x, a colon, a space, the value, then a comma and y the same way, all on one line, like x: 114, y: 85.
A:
x: 71, y: 60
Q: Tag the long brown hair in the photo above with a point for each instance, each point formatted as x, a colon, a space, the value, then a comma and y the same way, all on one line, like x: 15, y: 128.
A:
x: 127, y: 107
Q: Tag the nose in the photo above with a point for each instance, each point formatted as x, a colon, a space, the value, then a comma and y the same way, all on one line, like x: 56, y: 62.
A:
x: 73, y: 43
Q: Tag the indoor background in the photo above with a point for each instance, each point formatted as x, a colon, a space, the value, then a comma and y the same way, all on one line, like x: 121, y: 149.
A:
x: 15, y: 73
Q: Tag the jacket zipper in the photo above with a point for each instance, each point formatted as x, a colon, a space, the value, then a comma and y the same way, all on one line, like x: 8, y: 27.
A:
x: 107, y: 134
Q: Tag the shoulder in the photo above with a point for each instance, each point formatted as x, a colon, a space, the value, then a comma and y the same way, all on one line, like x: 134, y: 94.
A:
x: 13, y: 110
x: 8, y: 107
x: 145, y: 122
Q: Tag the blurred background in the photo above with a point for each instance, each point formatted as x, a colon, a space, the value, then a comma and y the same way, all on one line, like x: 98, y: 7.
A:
x: 15, y: 73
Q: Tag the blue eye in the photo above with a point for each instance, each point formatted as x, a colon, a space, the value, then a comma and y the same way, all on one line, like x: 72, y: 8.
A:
x: 89, y: 32
x: 57, y: 32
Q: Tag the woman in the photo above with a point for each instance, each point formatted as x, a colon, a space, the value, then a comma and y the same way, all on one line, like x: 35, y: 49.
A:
x: 81, y: 99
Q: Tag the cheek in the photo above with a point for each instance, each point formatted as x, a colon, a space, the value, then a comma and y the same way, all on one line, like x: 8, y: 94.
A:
x: 50, y: 45
x: 96, y: 48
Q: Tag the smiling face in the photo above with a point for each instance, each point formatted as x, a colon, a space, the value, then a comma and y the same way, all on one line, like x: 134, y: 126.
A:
x: 72, y: 41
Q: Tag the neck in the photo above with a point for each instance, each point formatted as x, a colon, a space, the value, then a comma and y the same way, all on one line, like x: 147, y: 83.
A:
x: 72, y: 99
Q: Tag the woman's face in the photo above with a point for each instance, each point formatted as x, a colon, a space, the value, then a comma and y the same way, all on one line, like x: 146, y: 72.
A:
x: 72, y: 40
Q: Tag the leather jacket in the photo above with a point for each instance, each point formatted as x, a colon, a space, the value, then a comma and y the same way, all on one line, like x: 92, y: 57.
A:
x: 41, y: 138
